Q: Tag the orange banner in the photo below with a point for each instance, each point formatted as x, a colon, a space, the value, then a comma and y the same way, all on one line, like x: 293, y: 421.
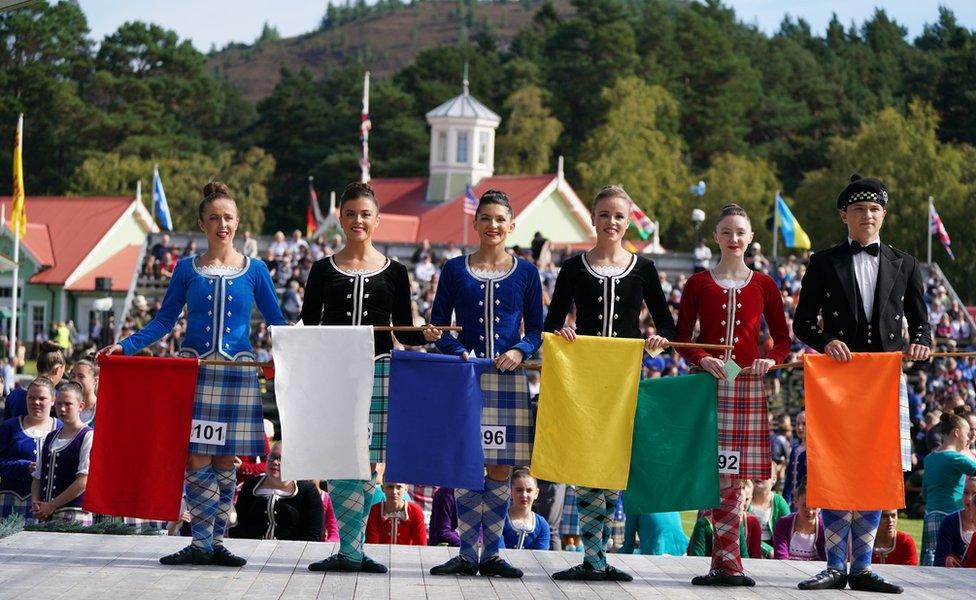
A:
x: 853, y: 443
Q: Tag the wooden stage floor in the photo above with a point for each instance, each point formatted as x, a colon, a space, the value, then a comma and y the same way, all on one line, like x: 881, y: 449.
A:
x: 83, y: 566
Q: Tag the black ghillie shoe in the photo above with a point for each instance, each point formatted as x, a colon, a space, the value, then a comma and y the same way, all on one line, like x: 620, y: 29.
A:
x: 583, y: 572
x: 187, y: 556
x: 496, y: 566
x: 371, y: 566
x: 614, y: 574
x: 225, y: 558
x: 869, y: 581
x: 828, y: 579
x: 337, y: 562
x: 456, y: 566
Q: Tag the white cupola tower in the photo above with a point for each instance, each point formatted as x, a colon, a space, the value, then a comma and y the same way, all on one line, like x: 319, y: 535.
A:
x: 462, y: 144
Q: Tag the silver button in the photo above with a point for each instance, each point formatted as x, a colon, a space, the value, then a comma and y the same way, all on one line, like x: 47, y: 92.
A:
x: 209, y: 313
x: 210, y: 281
x: 209, y: 297
x: 722, y: 340
x: 227, y: 329
x: 481, y: 319
x: 828, y: 294
x: 835, y: 313
x: 616, y: 316
x: 365, y: 313
x: 600, y: 317
x: 348, y: 295
x: 841, y: 332
x: 600, y: 333
x: 365, y: 295
x: 498, y: 320
x: 723, y: 322
x: 738, y: 322
x: 725, y: 306
x: 600, y: 299
x: 618, y: 298
x: 348, y: 314
x: 366, y: 280
x: 208, y: 327
x: 481, y: 303
x: 614, y: 333
x: 496, y: 336
x: 482, y: 286
x: 498, y: 302
x: 891, y: 336
x: 228, y: 313
x: 207, y: 344
x: 351, y: 279
x: 230, y: 283
x: 230, y: 297
x: 481, y: 337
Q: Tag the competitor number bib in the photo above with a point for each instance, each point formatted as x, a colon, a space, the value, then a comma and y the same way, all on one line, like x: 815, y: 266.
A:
x: 212, y: 433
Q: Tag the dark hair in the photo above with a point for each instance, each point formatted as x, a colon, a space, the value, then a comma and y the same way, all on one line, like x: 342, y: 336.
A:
x: 71, y: 386
x: 522, y: 472
x: 610, y: 191
x: 495, y: 197
x: 732, y: 210
x: 357, y: 190
x: 963, y: 410
x: 213, y: 191
x: 949, y: 421
x: 43, y: 382
x: 50, y: 357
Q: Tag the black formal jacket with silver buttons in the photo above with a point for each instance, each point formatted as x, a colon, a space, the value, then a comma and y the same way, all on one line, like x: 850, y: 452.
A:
x: 829, y: 290
x: 609, y: 306
x: 381, y: 297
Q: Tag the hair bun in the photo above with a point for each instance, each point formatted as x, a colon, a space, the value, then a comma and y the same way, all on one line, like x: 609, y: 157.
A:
x: 49, y: 346
x: 216, y: 189
x: 856, y: 177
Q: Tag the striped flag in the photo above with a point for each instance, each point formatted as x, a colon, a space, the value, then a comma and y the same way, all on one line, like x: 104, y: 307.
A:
x: 470, y: 202
x: 644, y: 225
x: 159, y: 201
x: 18, y: 218
x: 313, y: 214
x: 936, y: 227
x: 364, y: 126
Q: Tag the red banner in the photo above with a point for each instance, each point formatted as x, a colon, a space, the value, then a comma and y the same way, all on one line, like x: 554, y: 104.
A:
x: 138, y: 456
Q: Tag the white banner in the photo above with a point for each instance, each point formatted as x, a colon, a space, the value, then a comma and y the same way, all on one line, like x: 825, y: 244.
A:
x: 323, y: 387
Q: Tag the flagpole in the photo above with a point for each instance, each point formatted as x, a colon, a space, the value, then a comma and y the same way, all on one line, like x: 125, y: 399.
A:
x: 15, y: 222
x: 13, y: 293
x: 775, y: 228
x: 928, y: 227
x: 152, y: 201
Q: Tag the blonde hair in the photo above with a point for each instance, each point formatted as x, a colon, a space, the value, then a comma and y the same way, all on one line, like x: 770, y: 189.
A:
x: 610, y: 191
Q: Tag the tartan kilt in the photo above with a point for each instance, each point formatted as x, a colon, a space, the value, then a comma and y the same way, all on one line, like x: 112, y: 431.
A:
x: 230, y: 395
x: 12, y: 503
x: 905, y: 425
x: 570, y: 525
x: 743, y: 424
x: 507, y: 403
x: 930, y: 535
x: 378, y: 407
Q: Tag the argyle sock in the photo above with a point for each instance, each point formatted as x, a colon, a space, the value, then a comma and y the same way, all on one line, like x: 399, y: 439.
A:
x: 202, y: 497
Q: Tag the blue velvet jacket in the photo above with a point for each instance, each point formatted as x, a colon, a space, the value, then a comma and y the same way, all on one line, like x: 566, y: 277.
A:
x: 218, y: 310
x: 490, y: 312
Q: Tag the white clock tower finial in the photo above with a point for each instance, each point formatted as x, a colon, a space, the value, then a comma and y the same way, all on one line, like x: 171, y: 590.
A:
x: 464, y: 82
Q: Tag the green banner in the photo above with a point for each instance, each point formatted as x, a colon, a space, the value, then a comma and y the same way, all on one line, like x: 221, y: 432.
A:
x: 673, y: 465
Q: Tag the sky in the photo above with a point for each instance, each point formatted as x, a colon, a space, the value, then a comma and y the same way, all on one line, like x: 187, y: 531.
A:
x: 209, y: 22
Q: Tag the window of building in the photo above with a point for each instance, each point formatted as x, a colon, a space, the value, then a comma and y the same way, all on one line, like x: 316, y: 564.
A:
x: 484, y: 139
x: 462, y: 147
x: 442, y: 146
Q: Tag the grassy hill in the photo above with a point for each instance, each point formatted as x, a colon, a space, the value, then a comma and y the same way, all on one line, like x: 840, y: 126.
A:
x: 384, y: 43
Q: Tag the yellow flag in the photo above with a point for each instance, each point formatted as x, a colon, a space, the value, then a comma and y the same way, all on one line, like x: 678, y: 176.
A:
x: 19, y: 216
x: 585, y: 425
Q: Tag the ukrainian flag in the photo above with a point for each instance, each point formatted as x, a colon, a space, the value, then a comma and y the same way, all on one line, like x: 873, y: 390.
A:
x: 793, y: 234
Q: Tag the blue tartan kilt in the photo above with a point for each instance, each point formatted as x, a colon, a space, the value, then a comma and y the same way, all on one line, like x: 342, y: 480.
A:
x: 378, y: 407
x: 507, y: 404
x: 230, y: 395
x: 570, y: 525
x: 12, y: 503
x: 904, y: 425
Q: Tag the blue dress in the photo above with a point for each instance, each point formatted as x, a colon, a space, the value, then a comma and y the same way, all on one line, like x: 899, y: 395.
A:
x: 218, y: 313
x: 17, y: 451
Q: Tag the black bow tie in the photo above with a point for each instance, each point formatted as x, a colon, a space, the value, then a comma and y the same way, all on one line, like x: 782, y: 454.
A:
x: 872, y: 249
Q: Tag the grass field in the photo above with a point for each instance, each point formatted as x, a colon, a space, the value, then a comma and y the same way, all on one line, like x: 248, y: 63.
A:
x: 912, y: 527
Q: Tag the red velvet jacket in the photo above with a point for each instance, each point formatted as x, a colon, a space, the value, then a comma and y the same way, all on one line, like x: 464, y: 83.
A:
x: 732, y: 316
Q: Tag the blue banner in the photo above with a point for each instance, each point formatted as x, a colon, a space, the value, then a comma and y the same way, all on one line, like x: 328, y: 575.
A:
x: 434, y: 420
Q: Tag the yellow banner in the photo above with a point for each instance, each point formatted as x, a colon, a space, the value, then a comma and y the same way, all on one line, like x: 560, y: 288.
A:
x: 585, y: 426
x: 18, y: 217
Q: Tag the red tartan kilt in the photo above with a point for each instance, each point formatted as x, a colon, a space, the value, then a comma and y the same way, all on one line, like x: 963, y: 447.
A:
x: 743, y: 424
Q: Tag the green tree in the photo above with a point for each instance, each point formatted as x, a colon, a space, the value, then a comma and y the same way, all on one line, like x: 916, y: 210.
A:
x: 749, y: 182
x: 247, y: 174
x: 905, y: 152
x: 638, y: 146
x: 529, y: 134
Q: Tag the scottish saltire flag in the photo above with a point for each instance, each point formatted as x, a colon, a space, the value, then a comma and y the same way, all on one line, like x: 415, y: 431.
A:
x: 434, y: 420
x: 364, y: 126
x: 644, y: 225
x: 470, y: 201
x: 936, y: 227
x: 674, y: 445
x: 159, y: 201
x: 789, y: 227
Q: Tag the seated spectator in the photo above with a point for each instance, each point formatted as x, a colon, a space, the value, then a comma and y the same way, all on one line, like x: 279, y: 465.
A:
x: 956, y: 532
x: 161, y: 247
x: 424, y: 270
x: 269, y: 508
x: 330, y: 526
x: 85, y: 373
x: 524, y: 530
x: 796, y: 466
x: 944, y: 478
x: 61, y: 472
x: 750, y: 532
x: 654, y: 534
x: 443, y: 519
x: 769, y: 507
x: 800, y: 535
x: 191, y: 249
x: 51, y: 364
x: 20, y: 438
x: 396, y: 521
x: 167, y: 265
x: 279, y: 245
x: 291, y: 303
x: 891, y: 546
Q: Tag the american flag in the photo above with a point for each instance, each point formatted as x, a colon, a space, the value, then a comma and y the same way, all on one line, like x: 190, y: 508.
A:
x: 936, y: 227
x: 364, y: 126
x: 470, y: 202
